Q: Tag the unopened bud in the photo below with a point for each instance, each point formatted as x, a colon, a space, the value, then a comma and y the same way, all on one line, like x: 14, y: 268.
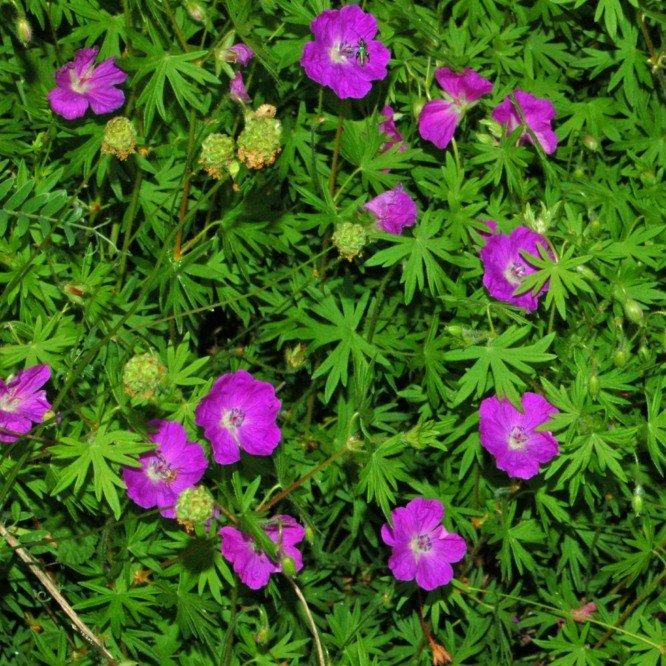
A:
x: 23, y: 31
x: 260, y: 142
x: 288, y: 565
x: 417, y: 106
x: 620, y: 357
x: 195, y: 505
x: 217, y: 155
x: 593, y: 385
x: 349, y: 239
x: 590, y: 142
x: 119, y: 138
x: 295, y: 356
x: 637, y: 499
x: 195, y: 10
x: 633, y: 311
x: 143, y: 375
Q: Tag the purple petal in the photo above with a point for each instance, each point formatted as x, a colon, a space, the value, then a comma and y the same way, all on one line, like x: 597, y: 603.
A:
x: 438, y: 121
x: 465, y: 87
x: 433, y: 572
x: 68, y: 104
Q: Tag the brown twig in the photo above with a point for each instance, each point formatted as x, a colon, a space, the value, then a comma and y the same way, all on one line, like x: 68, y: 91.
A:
x: 83, y: 629
x: 311, y: 622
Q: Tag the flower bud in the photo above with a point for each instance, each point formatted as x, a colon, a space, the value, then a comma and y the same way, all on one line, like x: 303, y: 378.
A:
x: 143, y: 375
x: 119, y: 138
x: 288, y: 565
x: 637, y: 499
x: 644, y: 352
x: 633, y: 311
x: 195, y: 505
x: 23, y: 31
x: 590, y: 142
x: 295, y: 356
x: 593, y: 385
x: 417, y: 106
x: 620, y: 357
x: 217, y: 155
x: 349, y: 238
x: 259, y: 143
x: 195, y: 10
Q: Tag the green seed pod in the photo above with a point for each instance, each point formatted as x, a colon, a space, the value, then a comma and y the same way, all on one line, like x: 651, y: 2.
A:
x: 143, y: 376
x: 217, y: 154
x: 195, y: 505
x: 288, y: 565
x: 119, y: 138
x: 620, y: 357
x: 260, y: 142
x: 633, y: 311
x: 349, y: 238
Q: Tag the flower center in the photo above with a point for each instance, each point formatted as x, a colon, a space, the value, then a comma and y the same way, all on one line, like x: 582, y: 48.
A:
x: 232, y: 419
x: 160, y: 470
x: 80, y: 84
x: 514, y: 273
x: 517, y: 438
x: 421, y: 544
x: 340, y: 53
x: 8, y: 402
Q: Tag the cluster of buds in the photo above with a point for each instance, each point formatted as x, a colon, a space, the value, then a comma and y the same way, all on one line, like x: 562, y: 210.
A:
x: 217, y: 156
x: 260, y: 142
x: 143, y: 376
x: 349, y: 238
x: 119, y: 138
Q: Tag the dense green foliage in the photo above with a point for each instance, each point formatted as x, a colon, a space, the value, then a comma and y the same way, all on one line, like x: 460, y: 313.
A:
x: 380, y: 362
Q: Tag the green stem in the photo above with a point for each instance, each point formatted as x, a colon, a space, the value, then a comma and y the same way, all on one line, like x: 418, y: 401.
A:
x: 128, y: 224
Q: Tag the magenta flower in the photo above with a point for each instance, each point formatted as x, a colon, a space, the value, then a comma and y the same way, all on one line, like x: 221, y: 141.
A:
x: 22, y: 403
x: 252, y: 565
x: 440, y: 117
x: 505, y: 268
x: 81, y: 83
x: 512, y: 437
x: 174, y: 465
x: 393, y: 210
x: 538, y: 114
x: 237, y: 89
x: 422, y: 548
x: 240, y: 53
x: 344, y: 55
x: 388, y: 128
x: 240, y: 412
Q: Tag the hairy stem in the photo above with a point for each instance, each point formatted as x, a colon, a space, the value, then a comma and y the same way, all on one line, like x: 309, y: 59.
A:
x: 313, y: 627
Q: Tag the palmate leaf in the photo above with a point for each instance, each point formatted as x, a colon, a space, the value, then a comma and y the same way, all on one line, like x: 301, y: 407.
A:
x: 656, y: 429
x: 179, y: 71
x: 341, y: 329
x: 495, y: 362
x: 420, y: 254
x: 99, y: 454
x: 562, y: 274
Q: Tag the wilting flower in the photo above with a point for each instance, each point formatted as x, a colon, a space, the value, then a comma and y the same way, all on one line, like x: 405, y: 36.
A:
x: 388, y: 128
x: 217, y: 154
x: 440, y: 117
x: 22, y: 403
x: 240, y: 412
x: 505, y: 269
x: 422, y: 548
x: 240, y: 53
x: 119, y: 138
x: 349, y: 239
x: 175, y: 464
x: 344, y: 55
x: 511, y: 436
x: 253, y: 566
x: 538, y: 114
x: 393, y: 210
x: 260, y: 142
x: 237, y: 89
x: 81, y: 83
x: 143, y: 376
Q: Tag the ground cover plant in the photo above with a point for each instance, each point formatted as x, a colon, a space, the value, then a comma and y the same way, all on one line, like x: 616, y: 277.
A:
x: 332, y: 334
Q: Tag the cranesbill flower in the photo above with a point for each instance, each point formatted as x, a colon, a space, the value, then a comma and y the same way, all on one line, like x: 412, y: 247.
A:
x: 422, y: 548
x: 393, y: 210
x: 440, y: 117
x: 240, y: 412
x: 538, y: 114
x: 389, y: 129
x: 344, y: 55
x: 240, y: 53
x: 22, y: 403
x: 175, y: 465
x: 511, y: 435
x: 237, y: 89
x: 505, y: 269
x: 81, y: 83
x: 253, y: 566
